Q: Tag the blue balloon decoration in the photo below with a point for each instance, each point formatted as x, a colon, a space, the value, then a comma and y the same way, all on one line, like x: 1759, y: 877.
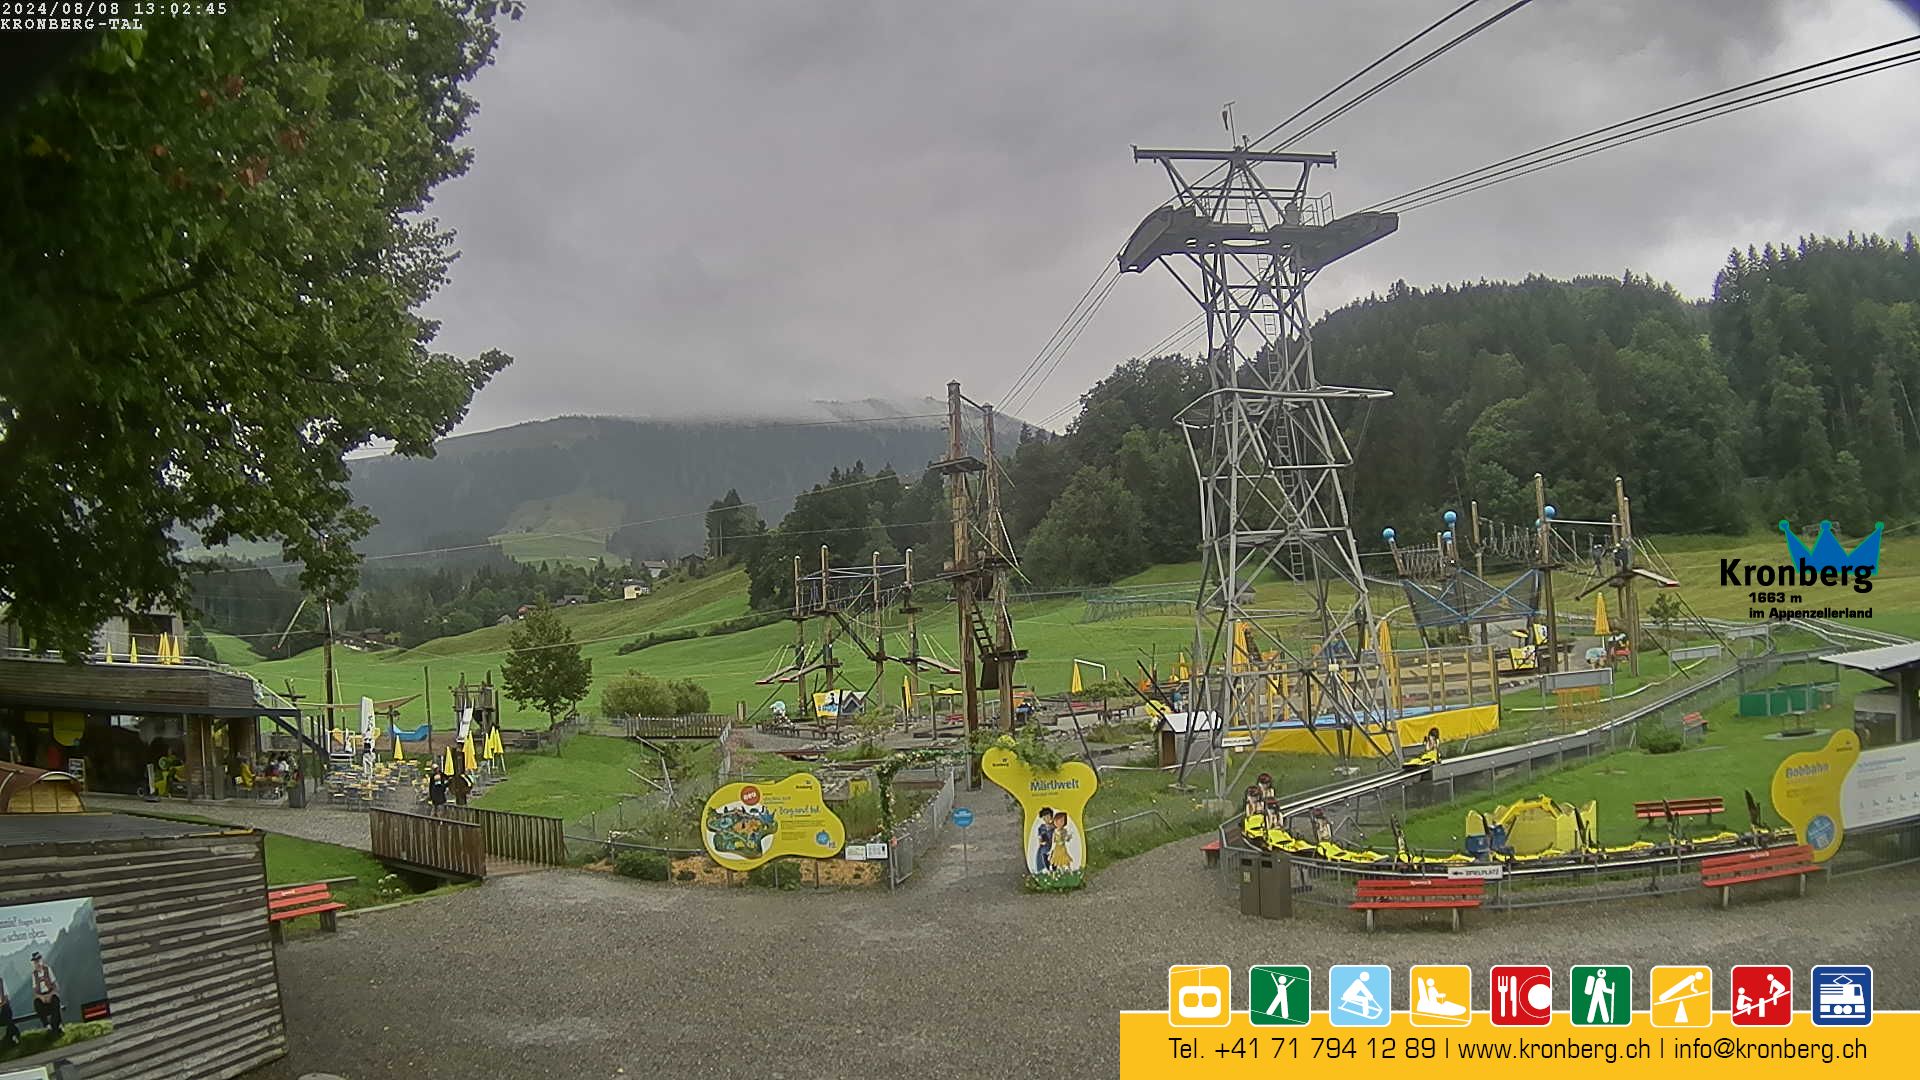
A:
x: 1451, y: 517
x: 1387, y: 535
x: 1448, y: 535
x: 1551, y: 511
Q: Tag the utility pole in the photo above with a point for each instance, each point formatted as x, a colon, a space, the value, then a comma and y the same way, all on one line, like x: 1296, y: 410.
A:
x: 326, y: 656
x: 1001, y: 563
x: 1545, y: 553
x: 1629, y: 597
x: 955, y: 468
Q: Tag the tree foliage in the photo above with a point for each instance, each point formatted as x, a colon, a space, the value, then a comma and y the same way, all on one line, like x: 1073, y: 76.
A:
x: 211, y: 263
x: 635, y: 694
x: 1093, y: 533
x: 543, y: 666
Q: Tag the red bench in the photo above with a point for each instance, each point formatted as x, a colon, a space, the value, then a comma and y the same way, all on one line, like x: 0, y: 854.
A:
x: 1672, y: 810
x: 1693, y: 724
x: 292, y: 903
x: 1418, y: 894
x: 1212, y: 851
x: 1723, y: 872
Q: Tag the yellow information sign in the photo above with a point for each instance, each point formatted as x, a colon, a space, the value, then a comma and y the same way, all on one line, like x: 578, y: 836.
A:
x: 1055, y: 805
x: 1807, y: 789
x: 745, y: 825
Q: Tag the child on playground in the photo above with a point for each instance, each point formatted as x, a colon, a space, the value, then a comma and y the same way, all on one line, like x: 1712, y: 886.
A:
x: 437, y: 791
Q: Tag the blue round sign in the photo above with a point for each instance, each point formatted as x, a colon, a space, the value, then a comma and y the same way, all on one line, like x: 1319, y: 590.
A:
x: 823, y: 838
x: 1820, y: 832
x: 962, y: 816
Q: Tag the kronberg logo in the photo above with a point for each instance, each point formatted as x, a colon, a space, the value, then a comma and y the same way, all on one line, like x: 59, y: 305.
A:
x: 1827, y: 564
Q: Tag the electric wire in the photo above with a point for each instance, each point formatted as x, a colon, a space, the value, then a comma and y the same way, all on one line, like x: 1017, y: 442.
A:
x: 1646, y: 124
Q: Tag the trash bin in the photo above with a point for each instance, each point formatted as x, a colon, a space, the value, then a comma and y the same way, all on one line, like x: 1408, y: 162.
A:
x: 1276, y: 886
x: 1248, y: 867
x: 297, y: 792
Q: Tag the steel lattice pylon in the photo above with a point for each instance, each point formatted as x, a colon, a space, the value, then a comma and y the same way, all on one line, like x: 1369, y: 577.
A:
x: 1267, y: 449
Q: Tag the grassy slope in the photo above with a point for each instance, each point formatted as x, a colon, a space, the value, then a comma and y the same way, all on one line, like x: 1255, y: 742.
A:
x: 600, y: 628
x: 1053, y: 630
x: 588, y: 774
x: 1736, y: 757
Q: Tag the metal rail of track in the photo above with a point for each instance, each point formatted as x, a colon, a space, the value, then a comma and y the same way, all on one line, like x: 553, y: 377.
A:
x: 1381, y: 783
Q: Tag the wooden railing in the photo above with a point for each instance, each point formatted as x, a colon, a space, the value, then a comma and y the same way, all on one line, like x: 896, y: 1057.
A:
x: 698, y: 726
x: 507, y: 835
x: 429, y: 843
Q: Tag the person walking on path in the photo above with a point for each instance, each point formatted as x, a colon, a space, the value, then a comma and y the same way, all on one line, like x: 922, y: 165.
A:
x: 437, y: 791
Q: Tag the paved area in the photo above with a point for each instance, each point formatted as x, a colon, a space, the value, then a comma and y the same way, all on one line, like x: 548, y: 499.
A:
x: 347, y: 828
x: 577, y: 974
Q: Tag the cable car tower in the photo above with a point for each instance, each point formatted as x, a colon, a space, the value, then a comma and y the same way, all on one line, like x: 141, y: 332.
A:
x: 1268, y: 452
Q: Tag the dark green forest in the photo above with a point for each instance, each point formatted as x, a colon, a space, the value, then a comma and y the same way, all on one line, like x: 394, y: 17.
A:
x: 1786, y: 394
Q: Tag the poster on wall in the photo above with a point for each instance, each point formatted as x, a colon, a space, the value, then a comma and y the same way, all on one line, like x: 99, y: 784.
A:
x: 53, y: 985
x: 1053, y: 821
x: 745, y: 825
x: 1823, y: 793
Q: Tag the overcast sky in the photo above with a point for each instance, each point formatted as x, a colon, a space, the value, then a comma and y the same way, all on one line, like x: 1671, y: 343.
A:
x: 723, y: 206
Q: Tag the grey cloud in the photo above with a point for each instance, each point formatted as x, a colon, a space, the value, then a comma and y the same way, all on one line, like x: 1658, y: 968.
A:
x: 701, y: 207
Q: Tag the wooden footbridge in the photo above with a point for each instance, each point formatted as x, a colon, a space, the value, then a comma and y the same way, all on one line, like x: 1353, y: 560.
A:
x: 467, y: 843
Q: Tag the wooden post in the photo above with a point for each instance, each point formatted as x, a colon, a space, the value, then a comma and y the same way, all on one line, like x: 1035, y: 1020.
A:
x: 1000, y: 563
x: 1552, y: 659
x: 332, y: 679
x: 961, y: 511
x: 1630, y: 598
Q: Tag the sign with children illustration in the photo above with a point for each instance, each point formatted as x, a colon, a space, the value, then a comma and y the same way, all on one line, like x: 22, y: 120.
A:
x: 745, y: 825
x: 1054, y: 805
x: 53, y: 990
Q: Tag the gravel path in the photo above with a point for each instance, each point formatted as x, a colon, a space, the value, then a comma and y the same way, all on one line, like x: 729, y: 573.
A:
x: 348, y: 828
x: 575, y: 974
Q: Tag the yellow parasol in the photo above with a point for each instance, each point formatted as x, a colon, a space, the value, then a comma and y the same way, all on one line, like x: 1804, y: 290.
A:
x: 1601, y: 627
x: 1076, y: 687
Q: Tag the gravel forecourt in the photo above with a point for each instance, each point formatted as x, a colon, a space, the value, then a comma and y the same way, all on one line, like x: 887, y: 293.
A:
x: 572, y: 973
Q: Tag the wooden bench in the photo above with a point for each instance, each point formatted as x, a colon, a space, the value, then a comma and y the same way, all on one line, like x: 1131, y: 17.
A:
x: 1672, y: 810
x: 1723, y: 872
x: 314, y: 899
x: 1211, y: 849
x: 1418, y: 894
x: 1693, y: 725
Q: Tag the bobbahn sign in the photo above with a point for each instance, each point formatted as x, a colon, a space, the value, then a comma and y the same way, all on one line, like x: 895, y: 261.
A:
x: 1823, y: 793
x: 745, y: 825
x: 1054, y: 807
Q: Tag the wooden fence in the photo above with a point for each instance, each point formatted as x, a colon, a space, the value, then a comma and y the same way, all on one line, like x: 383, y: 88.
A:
x: 507, y: 835
x: 438, y: 844
x: 698, y: 726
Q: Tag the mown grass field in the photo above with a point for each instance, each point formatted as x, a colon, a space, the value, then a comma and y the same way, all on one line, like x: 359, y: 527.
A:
x: 1055, y: 630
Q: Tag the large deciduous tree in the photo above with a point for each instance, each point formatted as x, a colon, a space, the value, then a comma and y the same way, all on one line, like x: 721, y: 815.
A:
x: 212, y: 256
x: 544, y: 667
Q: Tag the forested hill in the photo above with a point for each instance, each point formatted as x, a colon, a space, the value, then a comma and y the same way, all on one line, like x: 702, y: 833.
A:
x: 597, y: 476
x: 1786, y: 394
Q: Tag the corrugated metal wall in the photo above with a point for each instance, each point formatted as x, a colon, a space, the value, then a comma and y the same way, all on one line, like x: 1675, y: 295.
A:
x: 183, y: 932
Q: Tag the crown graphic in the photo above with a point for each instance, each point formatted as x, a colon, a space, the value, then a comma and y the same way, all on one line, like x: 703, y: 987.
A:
x: 1827, y: 551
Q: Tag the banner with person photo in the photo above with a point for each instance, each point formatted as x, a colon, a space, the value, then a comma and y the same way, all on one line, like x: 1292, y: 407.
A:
x: 53, y: 987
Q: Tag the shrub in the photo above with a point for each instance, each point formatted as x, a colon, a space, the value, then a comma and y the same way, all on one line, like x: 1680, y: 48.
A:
x: 645, y: 865
x: 1655, y: 737
x: 689, y: 697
